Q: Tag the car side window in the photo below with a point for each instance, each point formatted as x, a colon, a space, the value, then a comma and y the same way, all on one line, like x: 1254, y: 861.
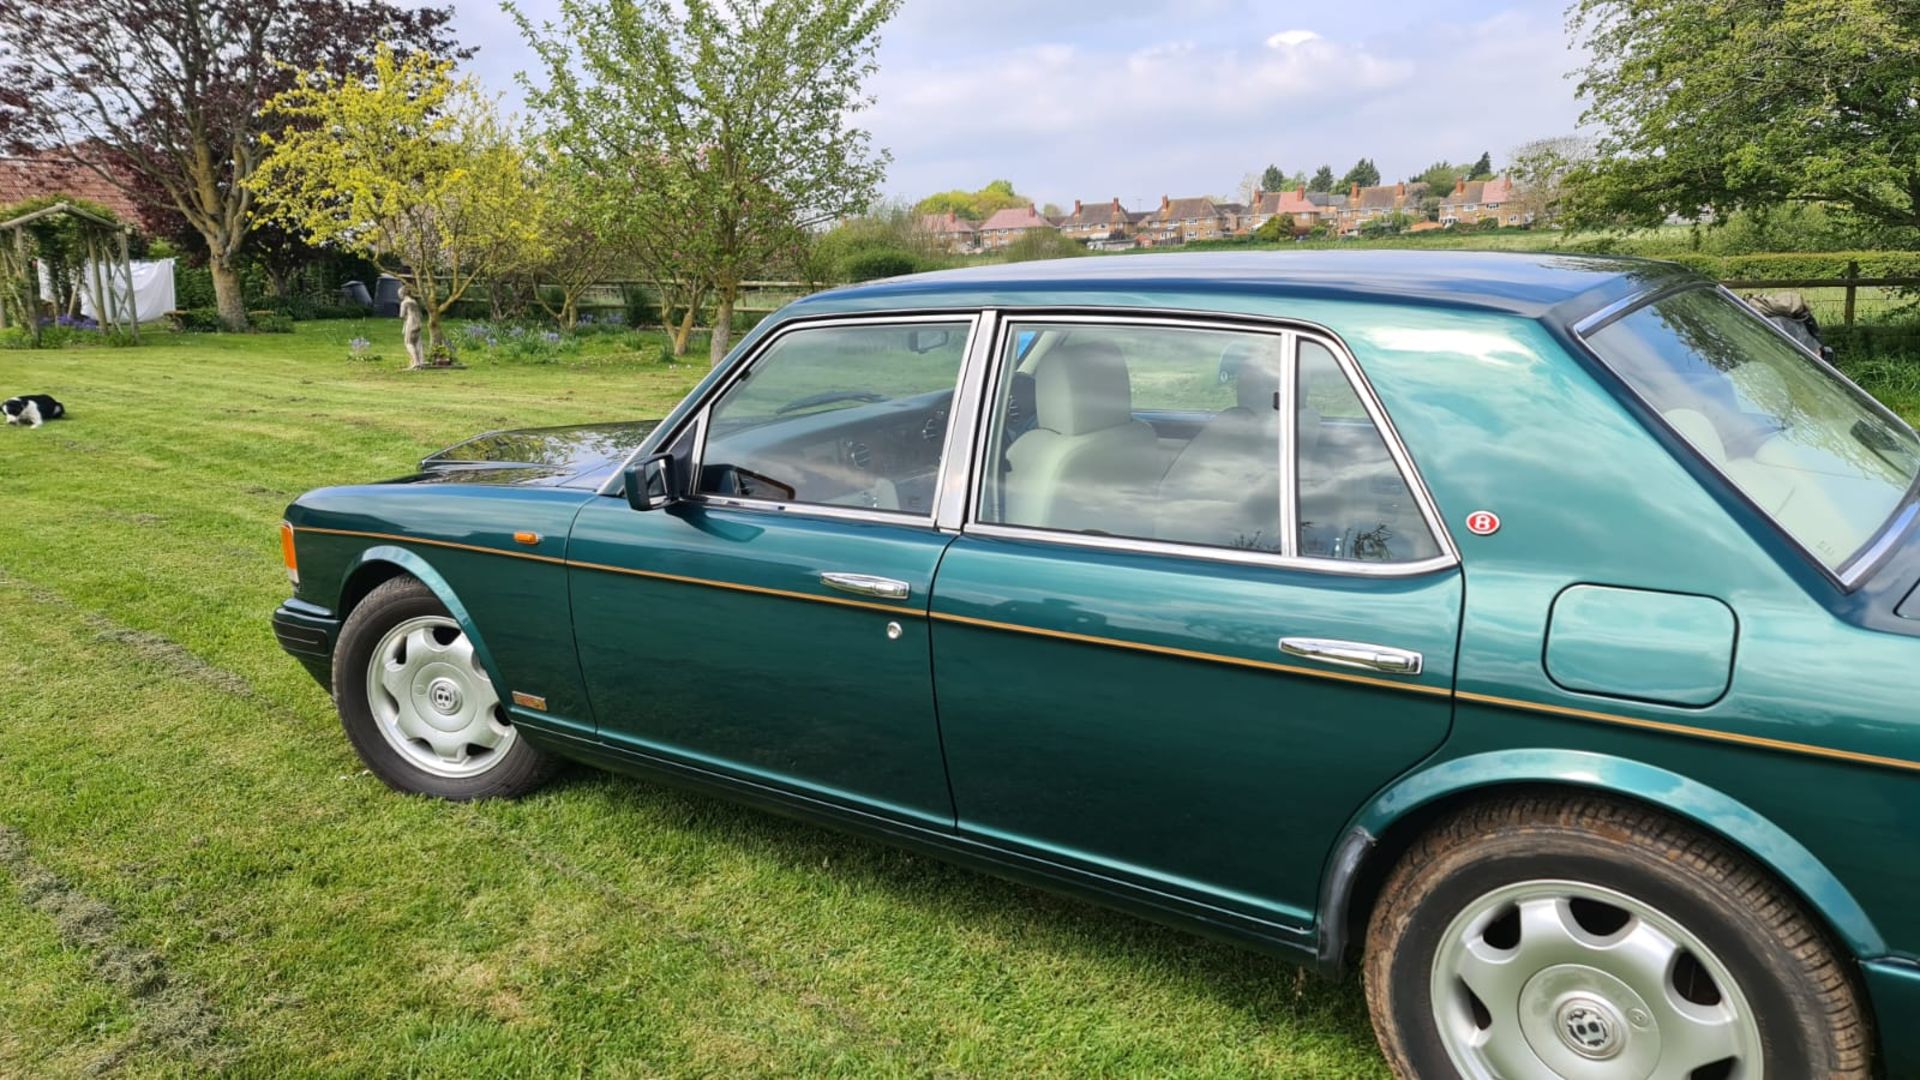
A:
x: 1147, y: 432
x: 1355, y: 504
x: 1177, y: 434
x: 843, y: 416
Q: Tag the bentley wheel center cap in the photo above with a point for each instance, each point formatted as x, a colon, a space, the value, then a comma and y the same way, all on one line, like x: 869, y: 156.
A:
x: 1590, y: 1028
x: 444, y: 696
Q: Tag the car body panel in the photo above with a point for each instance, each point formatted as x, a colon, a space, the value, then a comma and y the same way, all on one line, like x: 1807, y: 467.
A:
x: 1809, y: 758
x: 1666, y: 648
x: 707, y: 632
x: 1135, y: 713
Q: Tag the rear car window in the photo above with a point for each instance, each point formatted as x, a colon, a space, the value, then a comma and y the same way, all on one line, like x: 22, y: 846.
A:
x: 1814, y: 452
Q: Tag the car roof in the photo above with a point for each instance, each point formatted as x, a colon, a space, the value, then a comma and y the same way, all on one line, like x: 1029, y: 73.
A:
x: 1521, y: 283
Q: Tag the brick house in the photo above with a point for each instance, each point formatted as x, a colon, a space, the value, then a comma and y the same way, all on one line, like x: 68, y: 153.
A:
x: 955, y: 233
x: 1306, y: 208
x: 32, y: 175
x: 1474, y: 201
x: 1006, y: 226
x: 1366, y: 204
x: 1180, y: 220
x: 1097, y: 221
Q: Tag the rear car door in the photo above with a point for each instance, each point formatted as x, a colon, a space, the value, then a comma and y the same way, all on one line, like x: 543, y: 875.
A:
x: 772, y: 626
x: 1200, y: 610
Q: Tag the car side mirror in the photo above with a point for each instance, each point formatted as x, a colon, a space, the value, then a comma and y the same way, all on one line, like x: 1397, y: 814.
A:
x: 652, y: 482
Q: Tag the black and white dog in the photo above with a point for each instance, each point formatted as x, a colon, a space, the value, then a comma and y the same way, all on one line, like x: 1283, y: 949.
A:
x: 32, y: 409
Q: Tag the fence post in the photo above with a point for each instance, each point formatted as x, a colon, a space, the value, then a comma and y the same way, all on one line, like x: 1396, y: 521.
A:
x: 1853, y: 276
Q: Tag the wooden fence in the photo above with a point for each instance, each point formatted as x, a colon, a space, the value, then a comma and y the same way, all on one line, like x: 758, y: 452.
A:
x: 1848, y: 285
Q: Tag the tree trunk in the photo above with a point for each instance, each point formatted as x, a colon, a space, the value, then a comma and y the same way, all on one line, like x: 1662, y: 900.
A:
x: 227, y: 293
x: 682, y: 333
x: 722, y: 328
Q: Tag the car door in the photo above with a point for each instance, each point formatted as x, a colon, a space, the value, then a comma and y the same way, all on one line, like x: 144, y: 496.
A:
x: 1193, y: 620
x: 771, y: 627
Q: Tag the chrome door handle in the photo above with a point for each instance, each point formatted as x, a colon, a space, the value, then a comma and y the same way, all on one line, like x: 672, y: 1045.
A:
x: 867, y: 585
x: 1354, y: 654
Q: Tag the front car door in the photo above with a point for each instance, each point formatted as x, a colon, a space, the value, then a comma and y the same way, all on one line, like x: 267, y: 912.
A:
x: 772, y: 627
x: 1201, y: 609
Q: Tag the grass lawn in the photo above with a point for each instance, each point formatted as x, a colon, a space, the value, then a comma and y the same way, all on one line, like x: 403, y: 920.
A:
x: 196, y: 876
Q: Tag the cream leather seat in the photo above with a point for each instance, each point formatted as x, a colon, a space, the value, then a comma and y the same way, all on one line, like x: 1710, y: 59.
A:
x: 1088, y: 465
x: 1223, y: 489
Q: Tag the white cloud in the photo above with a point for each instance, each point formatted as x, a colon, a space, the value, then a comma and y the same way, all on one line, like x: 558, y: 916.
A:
x: 1286, y: 39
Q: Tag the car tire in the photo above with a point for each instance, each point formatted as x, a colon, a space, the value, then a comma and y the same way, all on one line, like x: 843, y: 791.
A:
x: 427, y: 720
x: 1606, y: 939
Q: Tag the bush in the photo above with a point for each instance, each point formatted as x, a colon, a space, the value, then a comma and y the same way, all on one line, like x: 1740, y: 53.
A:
x: 1042, y: 244
x: 879, y: 263
x: 197, y: 320
x: 642, y: 309
x: 1827, y: 264
x: 270, y: 322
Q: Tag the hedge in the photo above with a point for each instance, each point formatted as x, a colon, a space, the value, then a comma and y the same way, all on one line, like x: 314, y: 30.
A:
x: 1824, y: 264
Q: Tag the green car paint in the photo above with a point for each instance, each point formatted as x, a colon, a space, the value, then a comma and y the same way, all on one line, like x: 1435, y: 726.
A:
x: 1121, y: 723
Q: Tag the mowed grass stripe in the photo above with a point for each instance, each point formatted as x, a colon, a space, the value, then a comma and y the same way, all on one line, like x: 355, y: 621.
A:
x: 605, y: 926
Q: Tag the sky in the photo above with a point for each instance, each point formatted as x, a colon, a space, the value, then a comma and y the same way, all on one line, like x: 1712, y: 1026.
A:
x: 1137, y: 99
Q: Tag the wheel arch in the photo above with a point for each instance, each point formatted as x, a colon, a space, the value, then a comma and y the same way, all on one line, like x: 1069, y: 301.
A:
x: 1380, y: 833
x: 378, y: 565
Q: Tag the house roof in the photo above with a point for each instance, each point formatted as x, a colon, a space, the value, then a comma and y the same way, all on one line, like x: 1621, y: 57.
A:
x: 1498, y: 190
x: 1390, y: 196
x: 1092, y: 215
x: 1185, y: 209
x: 1017, y: 217
x: 947, y: 224
x: 27, y: 177
x: 1293, y: 201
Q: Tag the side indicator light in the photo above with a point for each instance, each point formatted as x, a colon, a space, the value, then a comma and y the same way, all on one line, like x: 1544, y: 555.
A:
x: 529, y: 701
x: 288, y: 555
x: 526, y: 537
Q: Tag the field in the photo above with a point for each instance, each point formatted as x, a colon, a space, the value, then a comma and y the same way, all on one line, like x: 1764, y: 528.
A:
x: 196, y: 877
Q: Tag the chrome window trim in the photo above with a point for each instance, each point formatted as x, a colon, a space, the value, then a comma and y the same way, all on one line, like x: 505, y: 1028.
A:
x: 971, y: 318
x: 1858, y: 565
x: 1289, y: 448
x: 698, y: 414
x: 1292, y: 332
x: 964, y: 429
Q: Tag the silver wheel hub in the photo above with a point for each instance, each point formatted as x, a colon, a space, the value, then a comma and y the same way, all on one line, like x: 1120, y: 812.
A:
x: 1564, y: 979
x: 433, y: 702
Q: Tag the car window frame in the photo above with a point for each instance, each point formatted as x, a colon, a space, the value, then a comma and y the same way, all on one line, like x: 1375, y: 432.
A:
x: 1001, y: 359
x: 697, y: 421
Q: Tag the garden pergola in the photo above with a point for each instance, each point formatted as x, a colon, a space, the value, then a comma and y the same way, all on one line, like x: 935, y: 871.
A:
x: 104, y: 266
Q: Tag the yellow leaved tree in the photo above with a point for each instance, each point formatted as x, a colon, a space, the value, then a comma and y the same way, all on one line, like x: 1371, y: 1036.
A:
x: 409, y: 166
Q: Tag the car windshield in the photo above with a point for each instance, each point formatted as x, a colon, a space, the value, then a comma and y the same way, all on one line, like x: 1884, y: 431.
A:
x: 1805, y: 445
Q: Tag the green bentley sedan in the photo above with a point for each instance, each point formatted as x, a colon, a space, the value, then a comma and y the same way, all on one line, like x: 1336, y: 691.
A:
x: 1538, y: 635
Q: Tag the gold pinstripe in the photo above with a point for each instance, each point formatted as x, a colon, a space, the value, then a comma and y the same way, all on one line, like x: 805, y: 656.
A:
x: 1589, y: 715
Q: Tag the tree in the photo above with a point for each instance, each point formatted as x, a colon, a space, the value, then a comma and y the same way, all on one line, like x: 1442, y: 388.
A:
x: 1322, y: 179
x: 577, y: 238
x: 407, y: 165
x: 1483, y: 168
x: 1720, y: 106
x: 974, y: 205
x: 1441, y: 176
x: 1540, y: 172
x: 1364, y: 173
x: 1275, y: 229
x: 743, y: 106
x: 1273, y: 179
x: 162, y: 97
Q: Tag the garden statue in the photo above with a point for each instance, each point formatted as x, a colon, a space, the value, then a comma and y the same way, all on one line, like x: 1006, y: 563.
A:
x: 412, y: 323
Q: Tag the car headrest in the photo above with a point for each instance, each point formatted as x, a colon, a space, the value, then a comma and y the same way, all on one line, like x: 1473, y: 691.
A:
x: 1259, y: 380
x: 1082, y: 388
x: 1694, y: 426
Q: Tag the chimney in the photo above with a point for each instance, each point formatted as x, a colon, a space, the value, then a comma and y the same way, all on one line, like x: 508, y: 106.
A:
x: 1116, y: 207
x: 1165, y: 204
x: 1258, y: 196
x: 1400, y: 190
x: 1076, y: 208
x: 1354, y: 193
x: 1460, y: 186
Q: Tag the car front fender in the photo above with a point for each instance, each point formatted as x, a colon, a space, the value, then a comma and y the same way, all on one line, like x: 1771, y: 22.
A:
x: 412, y: 563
